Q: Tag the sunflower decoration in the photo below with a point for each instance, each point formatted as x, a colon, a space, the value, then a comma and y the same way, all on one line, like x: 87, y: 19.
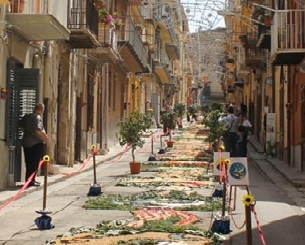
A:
x: 248, y: 199
x: 222, y: 160
x: 221, y: 147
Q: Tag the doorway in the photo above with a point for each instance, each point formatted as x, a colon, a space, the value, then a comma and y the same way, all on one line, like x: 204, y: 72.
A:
x: 22, y: 85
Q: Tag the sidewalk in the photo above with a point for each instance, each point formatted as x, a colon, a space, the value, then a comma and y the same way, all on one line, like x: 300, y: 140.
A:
x: 296, y: 178
x: 62, y: 172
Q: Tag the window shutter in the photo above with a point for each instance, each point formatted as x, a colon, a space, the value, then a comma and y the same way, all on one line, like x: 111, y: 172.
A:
x: 22, y: 86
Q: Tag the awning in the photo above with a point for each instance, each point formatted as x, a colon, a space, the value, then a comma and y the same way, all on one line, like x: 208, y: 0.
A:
x: 37, y: 27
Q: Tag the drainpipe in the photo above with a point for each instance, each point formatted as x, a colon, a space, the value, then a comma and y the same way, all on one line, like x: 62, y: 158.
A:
x: 105, y: 114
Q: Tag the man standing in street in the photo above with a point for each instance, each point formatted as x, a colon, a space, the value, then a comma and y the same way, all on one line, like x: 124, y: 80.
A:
x: 34, y: 138
x: 230, y: 139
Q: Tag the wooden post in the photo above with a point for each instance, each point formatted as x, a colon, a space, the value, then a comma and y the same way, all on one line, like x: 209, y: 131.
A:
x: 224, y: 198
x: 45, y: 185
x: 94, y: 167
x: 248, y: 224
x: 152, y: 143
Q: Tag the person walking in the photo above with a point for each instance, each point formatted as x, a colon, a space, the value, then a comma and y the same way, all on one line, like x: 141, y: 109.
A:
x: 33, y: 141
x: 244, y: 127
x: 231, y: 137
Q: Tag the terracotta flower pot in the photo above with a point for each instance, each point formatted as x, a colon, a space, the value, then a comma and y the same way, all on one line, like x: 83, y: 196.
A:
x: 170, y: 143
x: 135, y: 167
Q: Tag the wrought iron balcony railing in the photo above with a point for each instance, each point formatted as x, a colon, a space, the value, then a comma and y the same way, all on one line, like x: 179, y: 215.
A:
x: 287, y: 36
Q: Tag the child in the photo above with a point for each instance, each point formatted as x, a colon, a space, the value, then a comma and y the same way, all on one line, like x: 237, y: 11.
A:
x: 241, y: 141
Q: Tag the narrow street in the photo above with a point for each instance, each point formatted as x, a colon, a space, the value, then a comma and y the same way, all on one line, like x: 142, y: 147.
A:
x: 277, y: 211
x: 278, y: 207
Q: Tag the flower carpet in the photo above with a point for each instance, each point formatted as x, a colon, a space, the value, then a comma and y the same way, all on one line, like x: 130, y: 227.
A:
x: 176, y: 192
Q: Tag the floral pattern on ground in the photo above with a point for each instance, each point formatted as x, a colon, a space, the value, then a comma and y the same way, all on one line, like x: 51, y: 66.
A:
x: 173, y: 199
x: 174, y: 164
x: 158, y: 181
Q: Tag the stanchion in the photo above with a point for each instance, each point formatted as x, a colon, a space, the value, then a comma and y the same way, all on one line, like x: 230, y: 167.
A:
x: 95, y: 189
x: 221, y: 223
x: 248, y: 200
x: 152, y: 156
x: 248, y: 225
x: 44, y: 221
x: 161, y: 151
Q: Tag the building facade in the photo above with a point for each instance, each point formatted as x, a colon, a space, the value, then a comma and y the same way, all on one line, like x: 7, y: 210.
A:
x: 91, y: 62
x: 267, y: 51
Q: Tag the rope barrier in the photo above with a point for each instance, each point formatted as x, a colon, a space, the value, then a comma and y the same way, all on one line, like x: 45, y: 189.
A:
x: 80, y: 169
x: 258, y: 226
x: 121, y: 154
x: 25, y: 185
x: 29, y: 180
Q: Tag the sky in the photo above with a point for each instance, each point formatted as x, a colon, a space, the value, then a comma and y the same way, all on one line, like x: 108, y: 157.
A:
x: 202, y: 14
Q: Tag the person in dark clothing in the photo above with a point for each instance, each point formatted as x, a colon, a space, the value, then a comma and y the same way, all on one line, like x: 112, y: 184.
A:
x: 241, y: 141
x: 188, y: 118
x: 33, y: 141
x: 230, y: 139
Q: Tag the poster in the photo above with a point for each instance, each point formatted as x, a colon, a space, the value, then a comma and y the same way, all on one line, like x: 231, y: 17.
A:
x: 238, y: 173
x: 218, y: 157
x: 270, y: 134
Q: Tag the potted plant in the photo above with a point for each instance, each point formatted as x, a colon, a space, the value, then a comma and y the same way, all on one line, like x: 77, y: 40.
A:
x: 132, y: 129
x: 216, y: 128
x: 139, y: 28
x: 146, y: 43
x: 99, y: 4
x: 192, y: 110
x: 169, y: 119
x: 117, y: 22
x: 104, y: 16
x: 179, y: 108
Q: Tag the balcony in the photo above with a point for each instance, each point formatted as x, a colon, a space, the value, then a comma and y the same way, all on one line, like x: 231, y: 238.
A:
x: 288, y: 37
x: 172, y: 51
x: 163, y: 17
x: 255, y: 57
x: 107, y: 51
x: 83, y: 25
x: 32, y: 24
x: 162, y: 68
x: 215, y: 96
x: 132, y: 50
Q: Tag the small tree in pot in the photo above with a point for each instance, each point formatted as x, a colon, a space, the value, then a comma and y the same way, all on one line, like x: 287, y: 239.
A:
x: 169, y: 120
x: 192, y: 110
x: 132, y: 129
x: 179, y: 108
